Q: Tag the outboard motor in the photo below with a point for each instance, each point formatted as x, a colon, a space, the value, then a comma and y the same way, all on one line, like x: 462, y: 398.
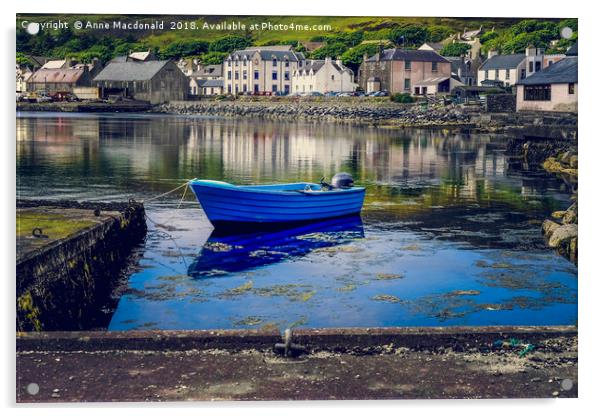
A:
x: 342, y: 181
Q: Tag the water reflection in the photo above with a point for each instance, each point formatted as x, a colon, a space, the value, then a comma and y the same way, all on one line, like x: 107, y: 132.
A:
x: 235, y: 253
x: 450, y: 231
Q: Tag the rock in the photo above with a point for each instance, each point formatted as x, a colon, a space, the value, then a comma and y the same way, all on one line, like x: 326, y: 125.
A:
x: 562, y: 234
x: 558, y: 214
x: 570, y: 217
x: 573, y: 162
x: 548, y: 227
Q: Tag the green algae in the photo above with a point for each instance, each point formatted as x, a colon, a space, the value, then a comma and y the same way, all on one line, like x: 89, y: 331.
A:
x: 54, y: 225
x: 388, y: 276
x: 25, y: 305
x: 347, y: 288
x: 295, y: 292
x: 248, y: 321
x: 387, y: 298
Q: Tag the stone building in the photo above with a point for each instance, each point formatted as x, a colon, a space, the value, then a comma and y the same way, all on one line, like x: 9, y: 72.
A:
x: 152, y: 81
x: 402, y: 71
x: 323, y: 75
x: 554, y: 88
x: 59, y: 80
x: 261, y: 70
x: 206, y: 80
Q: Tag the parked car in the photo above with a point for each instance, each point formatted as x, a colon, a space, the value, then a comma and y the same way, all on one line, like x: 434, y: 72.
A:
x: 315, y: 94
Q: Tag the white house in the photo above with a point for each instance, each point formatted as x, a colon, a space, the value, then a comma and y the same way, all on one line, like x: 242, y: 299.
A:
x: 504, y: 70
x: 23, y: 75
x: 324, y: 75
x: 507, y: 70
x: 554, y: 88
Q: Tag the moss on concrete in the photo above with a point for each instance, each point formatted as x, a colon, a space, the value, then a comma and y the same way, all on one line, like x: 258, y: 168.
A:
x: 53, y: 225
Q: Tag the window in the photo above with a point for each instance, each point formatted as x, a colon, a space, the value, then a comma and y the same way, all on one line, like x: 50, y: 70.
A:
x: 408, y: 65
x: 332, y: 77
x: 274, y: 62
x: 236, y: 64
x: 236, y: 75
x: 497, y: 74
x: 286, y: 89
x: 434, y: 66
x: 486, y: 74
x: 236, y: 89
x: 537, y: 66
x: 244, y: 87
x: 256, y: 87
x: 406, y: 84
x: 274, y: 88
x: 256, y: 75
x: 229, y: 89
x: 286, y: 64
x: 537, y: 92
x: 274, y: 75
x: 530, y: 66
x: 523, y: 74
x: 571, y: 88
x: 229, y: 75
x: 507, y: 74
x: 229, y: 63
x: 244, y: 74
x: 287, y: 76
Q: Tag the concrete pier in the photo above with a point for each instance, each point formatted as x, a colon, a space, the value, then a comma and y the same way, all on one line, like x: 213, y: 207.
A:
x: 70, y: 256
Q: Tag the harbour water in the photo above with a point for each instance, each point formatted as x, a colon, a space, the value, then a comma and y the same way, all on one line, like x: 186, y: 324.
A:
x: 449, y: 234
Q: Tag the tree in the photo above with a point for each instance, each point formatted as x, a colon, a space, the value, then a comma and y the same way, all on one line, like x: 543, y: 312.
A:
x: 438, y: 32
x: 22, y: 59
x: 487, y: 36
x: 184, y: 48
x: 229, y: 44
x: 213, y: 58
x: 355, y: 56
x: 571, y: 23
x: 455, y: 49
x: 411, y: 35
x: 329, y: 50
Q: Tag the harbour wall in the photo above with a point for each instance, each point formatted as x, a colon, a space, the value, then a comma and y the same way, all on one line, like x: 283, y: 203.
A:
x: 66, y: 283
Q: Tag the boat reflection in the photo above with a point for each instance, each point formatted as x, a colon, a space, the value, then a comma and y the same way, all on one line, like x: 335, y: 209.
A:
x: 223, y: 254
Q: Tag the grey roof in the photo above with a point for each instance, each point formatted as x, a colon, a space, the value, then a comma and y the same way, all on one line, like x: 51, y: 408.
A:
x: 562, y: 72
x: 268, y: 54
x: 314, y: 64
x: 503, y: 61
x: 572, y: 51
x: 398, y: 54
x: 457, y: 63
x: 130, y: 71
x: 210, y: 82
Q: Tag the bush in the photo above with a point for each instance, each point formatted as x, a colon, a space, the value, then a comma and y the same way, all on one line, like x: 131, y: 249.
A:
x: 404, y: 98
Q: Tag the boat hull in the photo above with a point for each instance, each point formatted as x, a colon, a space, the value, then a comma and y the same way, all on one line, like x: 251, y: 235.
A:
x: 226, y: 204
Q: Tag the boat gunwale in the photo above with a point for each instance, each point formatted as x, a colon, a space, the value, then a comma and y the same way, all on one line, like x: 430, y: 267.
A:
x: 257, y: 188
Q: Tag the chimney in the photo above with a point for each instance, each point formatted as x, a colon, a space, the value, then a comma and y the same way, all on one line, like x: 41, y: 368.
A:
x: 491, y: 53
x: 327, y: 60
x: 339, y: 62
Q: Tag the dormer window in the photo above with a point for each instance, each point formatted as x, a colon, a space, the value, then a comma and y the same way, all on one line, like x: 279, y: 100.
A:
x: 274, y: 62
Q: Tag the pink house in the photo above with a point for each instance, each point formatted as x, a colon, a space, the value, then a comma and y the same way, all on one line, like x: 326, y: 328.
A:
x: 398, y: 70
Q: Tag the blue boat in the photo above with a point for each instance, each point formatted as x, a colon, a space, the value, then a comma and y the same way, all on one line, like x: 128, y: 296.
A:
x: 226, y: 204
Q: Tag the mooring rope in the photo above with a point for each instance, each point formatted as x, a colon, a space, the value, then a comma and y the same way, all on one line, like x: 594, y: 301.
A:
x: 169, y: 192
x: 159, y: 225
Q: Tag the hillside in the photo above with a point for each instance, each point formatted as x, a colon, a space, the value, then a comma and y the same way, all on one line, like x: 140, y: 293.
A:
x: 196, y: 36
